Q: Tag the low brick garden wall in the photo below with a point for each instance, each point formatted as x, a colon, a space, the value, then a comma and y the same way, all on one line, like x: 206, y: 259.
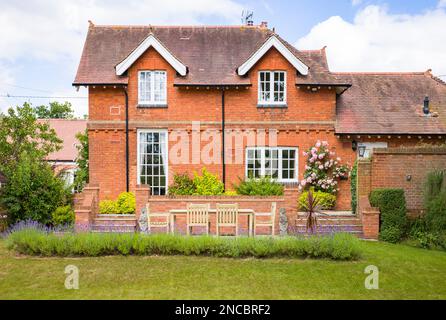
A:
x: 162, y: 204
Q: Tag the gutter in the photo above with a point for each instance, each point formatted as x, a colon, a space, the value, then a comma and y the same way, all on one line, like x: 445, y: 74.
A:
x: 223, y: 137
x: 127, y: 175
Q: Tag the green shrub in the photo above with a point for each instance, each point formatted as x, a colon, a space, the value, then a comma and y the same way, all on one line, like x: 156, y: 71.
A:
x: 63, y: 216
x: 33, y: 192
x: 34, y: 242
x: 207, y: 184
x: 415, y: 226
x: 182, y: 185
x: 392, y: 205
x: 326, y: 201
x: 353, y: 186
x: 126, y: 203
x: 391, y: 234
x: 108, y: 207
x: 436, y: 213
x: 434, y: 185
x: 259, y: 187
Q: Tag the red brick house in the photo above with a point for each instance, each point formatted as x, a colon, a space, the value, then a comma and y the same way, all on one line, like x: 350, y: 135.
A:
x: 149, y: 84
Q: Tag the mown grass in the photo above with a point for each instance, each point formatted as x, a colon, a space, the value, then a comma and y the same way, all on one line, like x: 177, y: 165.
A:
x: 405, y: 273
x: 41, y: 243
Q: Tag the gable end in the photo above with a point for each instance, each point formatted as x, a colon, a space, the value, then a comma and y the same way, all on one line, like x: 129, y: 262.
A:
x: 151, y: 41
x: 273, y: 41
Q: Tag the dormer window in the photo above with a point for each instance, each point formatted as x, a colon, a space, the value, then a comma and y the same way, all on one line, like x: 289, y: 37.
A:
x: 272, y: 88
x: 152, y: 88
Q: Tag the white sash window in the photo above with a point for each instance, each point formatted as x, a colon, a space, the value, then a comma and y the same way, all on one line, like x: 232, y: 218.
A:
x: 152, y: 160
x: 152, y: 88
x: 277, y: 163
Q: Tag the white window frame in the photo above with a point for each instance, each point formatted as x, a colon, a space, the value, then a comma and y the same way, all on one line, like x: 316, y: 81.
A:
x: 271, y: 87
x: 138, y: 162
x: 280, y: 168
x: 152, y: 101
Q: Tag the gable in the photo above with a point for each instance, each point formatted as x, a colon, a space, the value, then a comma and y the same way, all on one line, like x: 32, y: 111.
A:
x: 273, y: 41
x: 151, y: 42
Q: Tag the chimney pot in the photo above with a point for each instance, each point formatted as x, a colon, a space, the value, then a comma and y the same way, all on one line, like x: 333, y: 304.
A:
x: 264, y: 24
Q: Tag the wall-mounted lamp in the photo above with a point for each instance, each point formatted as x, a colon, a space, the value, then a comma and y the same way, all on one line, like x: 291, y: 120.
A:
x: 354, y: 145
x: 361, y: 150
x: 408, y: 177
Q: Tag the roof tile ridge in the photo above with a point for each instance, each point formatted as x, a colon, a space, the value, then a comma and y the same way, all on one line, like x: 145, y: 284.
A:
x: 173, y: 26
x: 379, y: 73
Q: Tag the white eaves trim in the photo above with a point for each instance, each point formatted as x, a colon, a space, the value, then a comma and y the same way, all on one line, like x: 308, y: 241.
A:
x: 276, y: 43
x: 150, y: 41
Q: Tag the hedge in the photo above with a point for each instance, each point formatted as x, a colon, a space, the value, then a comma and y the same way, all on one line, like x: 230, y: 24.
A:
x: 392, y: 204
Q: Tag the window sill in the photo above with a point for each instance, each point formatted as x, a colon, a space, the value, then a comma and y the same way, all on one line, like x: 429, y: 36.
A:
x: 148, y: 105
x: 263, y: 105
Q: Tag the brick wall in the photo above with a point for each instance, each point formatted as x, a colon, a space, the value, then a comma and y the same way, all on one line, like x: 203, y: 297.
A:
x: 391, y: 168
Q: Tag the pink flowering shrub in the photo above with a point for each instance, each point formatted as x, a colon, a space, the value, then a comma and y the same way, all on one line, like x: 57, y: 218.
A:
x: 323, y: 169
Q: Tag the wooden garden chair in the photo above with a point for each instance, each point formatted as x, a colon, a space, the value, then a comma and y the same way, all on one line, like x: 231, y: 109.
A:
x: 227, y: 216
x: 156, y: 223
x: 268, y: 220
x: 197, y: 216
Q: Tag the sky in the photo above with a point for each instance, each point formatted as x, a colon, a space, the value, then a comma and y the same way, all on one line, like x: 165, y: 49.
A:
x: 42, y: 40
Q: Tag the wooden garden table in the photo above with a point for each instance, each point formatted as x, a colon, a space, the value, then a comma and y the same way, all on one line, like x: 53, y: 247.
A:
x: 243, y: 212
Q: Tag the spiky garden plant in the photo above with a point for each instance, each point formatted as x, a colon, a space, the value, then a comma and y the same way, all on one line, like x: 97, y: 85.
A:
x: 312, y: 207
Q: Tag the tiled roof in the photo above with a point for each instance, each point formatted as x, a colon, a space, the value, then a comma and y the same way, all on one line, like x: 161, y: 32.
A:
x: 66, y: 130
x: 391, y: 103
x: 211, y: 54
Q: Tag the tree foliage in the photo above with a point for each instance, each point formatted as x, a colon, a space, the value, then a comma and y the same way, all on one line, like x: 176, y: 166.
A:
x: 20, y: 132
x: 55, y: 110
x: 33, y: 191
x: 82, y: 175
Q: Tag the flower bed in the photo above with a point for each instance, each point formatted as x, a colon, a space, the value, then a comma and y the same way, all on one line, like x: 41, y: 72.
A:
x: 38, y: 242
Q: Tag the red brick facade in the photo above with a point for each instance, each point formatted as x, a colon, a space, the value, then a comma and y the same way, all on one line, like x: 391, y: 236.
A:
x: 309, y: 116
x: 406, y: 169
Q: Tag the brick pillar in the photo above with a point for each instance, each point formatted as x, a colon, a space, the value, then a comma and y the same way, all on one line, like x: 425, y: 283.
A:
x: 86, y: 207
x: 142, y: 194
x: 291, y: 195
x: 370, y: 223
x: 364, y: 182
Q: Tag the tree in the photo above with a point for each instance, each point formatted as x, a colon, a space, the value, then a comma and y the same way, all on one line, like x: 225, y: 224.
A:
x: 33, y: 191
x: 55, y: 110
x: 82, y: 175
x: 20, y: 132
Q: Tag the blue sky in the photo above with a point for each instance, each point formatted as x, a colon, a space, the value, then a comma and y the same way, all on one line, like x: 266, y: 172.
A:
x: 42, y: 40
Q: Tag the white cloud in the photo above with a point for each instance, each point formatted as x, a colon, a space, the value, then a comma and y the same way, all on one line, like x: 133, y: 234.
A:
x: 380, y: 41
x: 50, y: 29
x: 356, y: 2
x: 52, y: 32
x: 442, y: 3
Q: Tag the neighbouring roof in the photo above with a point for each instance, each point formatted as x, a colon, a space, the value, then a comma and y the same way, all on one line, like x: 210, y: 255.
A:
x: 391, y: 103
x: 211, y: 54
x: 66, y: 130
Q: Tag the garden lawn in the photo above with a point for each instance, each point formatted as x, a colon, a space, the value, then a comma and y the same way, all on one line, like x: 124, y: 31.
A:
x: 405, y: 273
